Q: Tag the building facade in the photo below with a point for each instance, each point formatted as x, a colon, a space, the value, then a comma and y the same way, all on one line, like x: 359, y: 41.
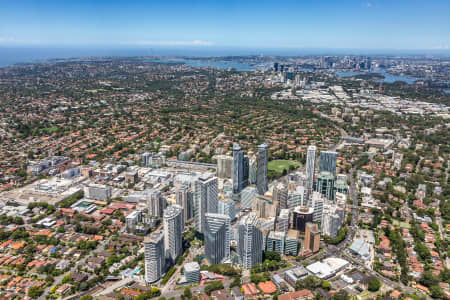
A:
x: 154, y: 256
x: 327, y: 162
x: 261, y: 171
x: 205, y: 199
x: 217, y: 238
x: 310, y: 167
x: 173, y: 232
x: 250, y: 241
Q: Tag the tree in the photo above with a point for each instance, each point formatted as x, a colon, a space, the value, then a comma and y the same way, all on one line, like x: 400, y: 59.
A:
x: 187, y: 293
x: 326, y: 285
x: 374, y: 285
x: 341, y: 295
x: 213, y: 286
x: 86, y: 297
x: 272, y: 255
x: 35, y: 291
x: 436, y: 292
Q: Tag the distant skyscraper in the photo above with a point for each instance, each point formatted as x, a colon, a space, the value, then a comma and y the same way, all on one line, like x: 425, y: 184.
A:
x: 217, y: 238
x: 182, y: 198
x: 156, y: 204
x: 250, y: 241
x: 173, y: 231
x: 261, y: 171
x: 275, y: 67
x: 205, y: 199
x: 327, y: 162
x: 310, y: 167
x: 154, y: 256
x: 238, y: 169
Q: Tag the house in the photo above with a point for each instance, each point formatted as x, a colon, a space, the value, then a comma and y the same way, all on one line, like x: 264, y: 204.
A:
x: 94, y: 263
x: 267, y: 287
x: 236, y: 293
x: 64, y: 289
x: 78, y: 277
x: 250, y: 290
x: 62, y: 264
x: 221, y: 295
x: 298, y: 295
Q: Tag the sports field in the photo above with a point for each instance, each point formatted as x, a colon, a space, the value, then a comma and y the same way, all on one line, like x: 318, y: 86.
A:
x: 279, y: 165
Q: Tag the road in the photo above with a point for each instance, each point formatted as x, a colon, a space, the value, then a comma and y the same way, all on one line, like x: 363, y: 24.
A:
x: 58, y: 279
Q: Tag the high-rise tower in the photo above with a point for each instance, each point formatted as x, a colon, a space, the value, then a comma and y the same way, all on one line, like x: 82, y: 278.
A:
x: 250, y: 241
x: 205, y: 199
x: 261, y: 171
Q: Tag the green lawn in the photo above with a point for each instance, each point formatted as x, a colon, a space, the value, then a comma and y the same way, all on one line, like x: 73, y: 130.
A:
x: 401, y: 224
x: 277, y: 166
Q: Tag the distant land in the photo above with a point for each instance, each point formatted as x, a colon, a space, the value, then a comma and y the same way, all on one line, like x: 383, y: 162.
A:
x: 13, y: 55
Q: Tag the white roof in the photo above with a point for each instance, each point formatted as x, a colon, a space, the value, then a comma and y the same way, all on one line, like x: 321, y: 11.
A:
x: 327, y: 267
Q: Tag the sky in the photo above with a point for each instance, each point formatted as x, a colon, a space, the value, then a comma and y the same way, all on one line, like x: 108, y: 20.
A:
x: 258, y: 24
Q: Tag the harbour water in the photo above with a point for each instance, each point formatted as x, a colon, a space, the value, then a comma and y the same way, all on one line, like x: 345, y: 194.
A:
x: 387, y: 77
x: 209, y: 63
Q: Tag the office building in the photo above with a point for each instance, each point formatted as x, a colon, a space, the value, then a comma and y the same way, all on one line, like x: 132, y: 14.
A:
x: 297, y: 198
x: 310, y: 167
x: 182, y: 199
x: 151, y: 160
x: 261, y: 170
x: 247, y: 196
x: 275, y: 241
x: 252, y: 169
x: 132, y: 220
x: 97, y: 192
x: 173, y: 232
x: 280, y: 195
x: 263, y: 207
x: 227, y: 207
x: 238, y: 169
x: 327, y: 162
x: 156, y: 204
x: 250, y: 241
x: 224, y: 166
x: 291, y: 243
x: 317, y: 203
x: 341, y: 185
x: 154, y: 256
x: 325, y: 184
x: 217, y: 238
x: 335, y: 225
x: 246, y: 171
x: 312, y: 238
x: 205, y: 199
x: 192, y: 272
x: 300, y: 216
x: 283, y: 220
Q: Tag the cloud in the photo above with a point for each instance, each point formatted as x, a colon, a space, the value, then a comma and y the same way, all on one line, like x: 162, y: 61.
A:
x: 369, y: 4
x: 177, y: 43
